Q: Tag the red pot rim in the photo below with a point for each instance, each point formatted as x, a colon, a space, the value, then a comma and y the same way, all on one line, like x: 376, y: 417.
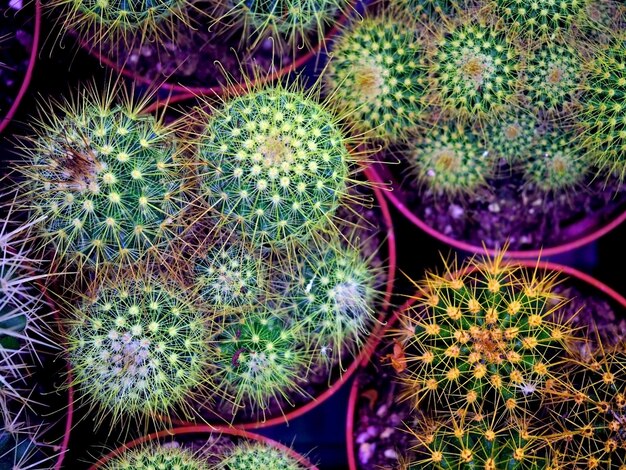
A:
x: 204, y: 429
x: 187, y: 92
x: 568, y: 271
x: 4, y: 121
x: 400, y: 205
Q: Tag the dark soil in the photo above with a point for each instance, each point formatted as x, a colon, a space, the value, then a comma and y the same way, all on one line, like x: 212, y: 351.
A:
x: 379, y: 422
x: 16, y: 39
x: 511, y: 210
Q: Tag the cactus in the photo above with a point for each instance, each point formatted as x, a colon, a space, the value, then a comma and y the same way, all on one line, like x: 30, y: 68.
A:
x: 250, y: 455
x: 376, y: 76
x: 511, y: 136
x: 138, y: 349
x: 474, y: 70
x: 451, y: 159
x: 485, y: 336
x: 20, y: 446
x: 157, y: 457
x: 430, y: 10
x: 102, y: 180
x: 259, y: 360
x: 273, y: 166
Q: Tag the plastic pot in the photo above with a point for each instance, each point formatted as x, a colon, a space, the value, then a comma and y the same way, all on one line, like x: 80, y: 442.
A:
x: 571, y: 274
x: 7, y: 115
x: 199, y: 431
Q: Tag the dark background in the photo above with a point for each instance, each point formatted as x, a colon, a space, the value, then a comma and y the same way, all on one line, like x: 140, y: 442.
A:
x: 320, y: 434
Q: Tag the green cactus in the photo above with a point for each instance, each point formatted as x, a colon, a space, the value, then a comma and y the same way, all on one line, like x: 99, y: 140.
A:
x: 138, y: 349
x: 451, y: 159
x: 274, y: 166
x: 157, y: 457
x: 376, y: 76
x: 474, y: 70
x: 511, y: 136
x: 430, y: 10
x: 260, y: 360
x: 251, y: 455
x: 555, y: 163
x: 486, y: 336
x: 102, y: 180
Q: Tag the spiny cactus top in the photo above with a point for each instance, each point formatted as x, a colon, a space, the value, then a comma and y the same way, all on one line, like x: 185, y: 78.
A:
x: 274, y: 166
x: 255, y: 455
x: 474, y: 70
x: 376, y: 76
x: 157, y: 457
x: 138, y: 348
x: 451, y: 159
x: 430, y: 9
x: 102, y: 181
x: 486, y: 336
x: 510, y: 136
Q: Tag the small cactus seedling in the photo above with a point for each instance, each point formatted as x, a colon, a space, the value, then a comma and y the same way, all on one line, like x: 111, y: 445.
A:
x: 102, y: 180
x: 157, y: 457
x: 451, y: 159
x: 259, y: 360
x: 555, y: 163
x: 474, y: 70
x: 255, y: 455
x: 484, y: 335
x: 510, y: 136
x: 138, y: 349
x: 376, y: 76
x: 274, y: 166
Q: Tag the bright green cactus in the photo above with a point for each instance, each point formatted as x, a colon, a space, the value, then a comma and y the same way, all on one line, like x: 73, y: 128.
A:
x: 21, y: 444
x: 555, y: 163
x: 451, y: 159
x: 376, y: 76
x: 474, y: 70
x: 157, y: 457
x: 260, y: 360
x: 102, y: 180
x: 430, y: 9
x: 511, y: 136
x: 541, y: 17
x: 255, y: 455
x: 490, y: 335
x: 274, y: 166
x: 138, y: 349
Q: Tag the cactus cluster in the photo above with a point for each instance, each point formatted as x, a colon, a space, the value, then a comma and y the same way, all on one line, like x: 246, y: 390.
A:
x: 248, y: 455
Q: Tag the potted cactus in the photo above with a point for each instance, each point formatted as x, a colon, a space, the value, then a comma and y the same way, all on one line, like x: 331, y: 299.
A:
x: 480, y: 368
x: 500, y: 131
x: 19, y: 46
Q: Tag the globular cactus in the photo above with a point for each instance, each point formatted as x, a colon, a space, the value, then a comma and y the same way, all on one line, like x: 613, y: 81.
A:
x: 138, y: 349
x: 250, y: 455
x: 102, y: 181
x: 451, y: 159
x: 511, y: 136
x: 273, y: 166
x: 376, y: 76
x: 488, y: 335
x: 474, y: 70
x: 555, y: 163
x: 431, y: 10
x: 260, y: 361
x: 157, y: 457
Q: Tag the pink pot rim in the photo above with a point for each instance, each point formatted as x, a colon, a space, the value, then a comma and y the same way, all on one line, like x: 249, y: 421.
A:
x: 188, y: 92
x: 4, y: 121
x: 568, y: 271
x: 204, y: 429
x: 468, y: 247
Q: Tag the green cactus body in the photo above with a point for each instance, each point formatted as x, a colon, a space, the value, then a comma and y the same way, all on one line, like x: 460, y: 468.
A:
x: 247, y: 456
x: 555, y: 163
x: 474, y: 71
x: 156, y: 457
x: 553, y: 75
x: 274, y: 166
x: 430, y: 9
x: 602, y: 116
x: 511, y: 136
x: 541, y: 17
x: 451, y: 160
x: 138, y: 349
x: 103, y: 183
x: 376, y: 77
x: 484, y: 337
x: 230, y: 276
x: 259, y: 360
